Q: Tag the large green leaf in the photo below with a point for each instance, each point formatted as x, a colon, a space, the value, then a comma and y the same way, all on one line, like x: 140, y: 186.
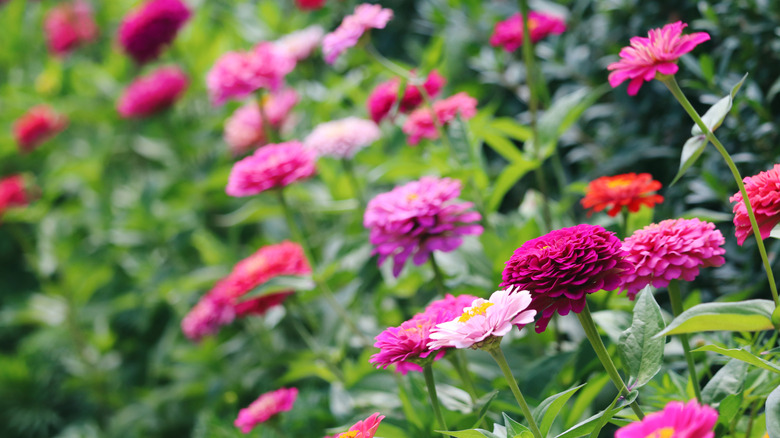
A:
x: 744, y: 316
x: 773, y: 414
x: 508, y: 178
x: 728, y: 380
x: 548, y: 409
x: 642, y: 352
x: 743, y: 355
x: 515, y: 429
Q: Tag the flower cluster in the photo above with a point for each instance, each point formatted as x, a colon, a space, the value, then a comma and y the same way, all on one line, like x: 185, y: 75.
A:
x: 272, y: 166
x: 342, y: 138
x: 628, y: 190
x: 365, y: 17
x: 676, y: 420
x: 381, y: 100
x: 36, y: 126
x: 763, y: 191
x: 12, y: 193
x: 509, y: 33
x: 422, y: 121
x: 146, y: 31
x: 152, y: 93
x: 69, y: 25
x: 265, y: 407
x: 244, y: 129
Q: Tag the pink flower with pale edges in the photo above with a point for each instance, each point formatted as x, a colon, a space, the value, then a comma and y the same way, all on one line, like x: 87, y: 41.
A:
x: 244, y: 128
x: 265, y: 407
x: 364, y: 428
x: 342, y: 138
x: 152, y: 93
x: 656, y: 54
x: 676, y: 420
x: 300, y: 44
x: 421, y: 123
x: 69, y: 25
x: 418, y: 218
x: 365, y: 17
x: 670, y: 250
x: 146, y: 31
x: 270, y: 167
x: 12, y: 193
x: 39, y: 124
x: 764, y: 194
x: 236, y: 75
x: 509, y: 33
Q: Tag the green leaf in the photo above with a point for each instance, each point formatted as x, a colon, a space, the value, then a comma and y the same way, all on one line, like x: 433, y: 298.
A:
x: 743, y: 316
x: 562, y: 114
x: 743, y: 355
x: 548, y: 409
x: 608, y: 414
x: 515, y: 429
x: 728, y: 380
x: 486, y: 401
x: 691, y: 152
x: 511, y: 128
x: 773, y: 413
x: 504, y: 147
x: 471, y: 433
x: 508, y: 178
x: 729, y: 408
x: 714, y: 117
x: 641, y: 351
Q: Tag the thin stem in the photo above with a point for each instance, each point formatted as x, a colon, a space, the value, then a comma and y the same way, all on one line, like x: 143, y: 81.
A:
x: 350, y: 171
x: 428, y: 373
x: 677, y: 309
x: 500, y: 359
x: 438, y: 276
x: 270, y: 137
x: 624, y: 214
x: 459, y: 362
x: 592, y: 333
x: 671, y: 84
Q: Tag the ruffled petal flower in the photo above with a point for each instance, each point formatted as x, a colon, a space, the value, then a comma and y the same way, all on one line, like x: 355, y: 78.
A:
x: 152, y: 93
x: 146, y: 31
x: 364, y: 428
x: 628, y: 190
x: 764, y: 193
x: 244, y: 128
x: 272, y: 166
x: 421, y: 123
x: 676, y: 420
x: 265, y: 407
x: 509, y: 33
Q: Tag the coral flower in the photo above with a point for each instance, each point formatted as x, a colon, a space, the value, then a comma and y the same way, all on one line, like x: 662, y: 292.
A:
x: 656, y: 54
x: 309, y: 5
x: 509, y: 33
x: 421, y: 123
x: 68, y: 25
x: 152, y: 93
x: 384, y: 96
x: 364, y: 428
x: 12, y: 193
x: 265, y: 407
x: 563, y: 266
x: 244, y: 129
x: 677, y: 420
x: 342, y: 138
x: 145, y: 31
x: 764, y: 193
x: 273, y: 166
x: 365, y: 17
x: 418, y: 218
x: 300, y: 44
x: 627, y: 190
x: 485, y: 319
x: 236, y: 75
x: 36, y: 126
x: 670, y: 250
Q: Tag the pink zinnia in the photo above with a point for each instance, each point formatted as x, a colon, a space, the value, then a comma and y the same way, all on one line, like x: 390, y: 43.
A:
x: 244, y: 129
x: 670, y: 250
x: 300, y: 44
x: 207, y: 317
x: 365, y: 17
x: 677, y: 420
x: 152, y: 93
x: 145, y: 31
x: 764, y: 193
x: 562, y: 267
x: 236, y: 75
x: 364, y: 428
x: 384, y: 96
x: 421, y: 123
x: 36, y: 126
x: 69, y: 25
x: 272, y: 166
x: 12, y: 193
x: 509, y: 33
x: 265, y: 407
x: 309, y: 5
x: 418, y: 218
x: 342, y: 138
x: 656, y: 54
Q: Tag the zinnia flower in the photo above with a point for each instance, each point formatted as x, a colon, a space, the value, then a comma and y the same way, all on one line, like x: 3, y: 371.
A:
x: 677, y: 420
x: 300, y: 44
x: 364, y: 428
x: 384, y: 96
x: 658, y: 53
x: 68, y: 25
x: 36, y: 126
x: 365, y: 17
x: 309, y: 5
x: 145, y: 31
x: 563, y: 266
x: 670, y: 250
x: 418, y: 218
x: 764, y: 193
x: 509, y: 33
x: 152, y: 93
x: 12, y: 193
x: 244, y: 129
x: 265, y: 407
x: 272, y: 166
x: 207, y: 317
x: 236, y: 75
x: 421, y: 123
x: 342, y: 138
x: 627, y: 190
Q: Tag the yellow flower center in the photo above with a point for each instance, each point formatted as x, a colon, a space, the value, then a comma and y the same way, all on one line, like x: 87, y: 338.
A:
x: 474, y: 311
x: 666, y: 432
x: 619, y: 182
x: 532, y: 24
x: 412, y: 196
x: 352, y: 434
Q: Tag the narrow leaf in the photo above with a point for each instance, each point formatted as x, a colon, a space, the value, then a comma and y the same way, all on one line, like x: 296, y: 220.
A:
x: 743, y: 355
x: 508, y: 178
x: 515, y: 429
x: 744, y: 316
x: 511, y: 128
x: 471, y: 433
x: 714, y: 117
x: 641, y: 351
x: 691, y: 152
x: 504, y: 147
x: 548, y: 409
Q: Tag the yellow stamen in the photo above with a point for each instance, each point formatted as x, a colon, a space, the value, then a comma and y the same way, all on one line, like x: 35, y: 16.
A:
x: 412, y: 196
x: 666, y: 432
x: 352, y: 434
x: 619, y: 182
x: 474, y: 311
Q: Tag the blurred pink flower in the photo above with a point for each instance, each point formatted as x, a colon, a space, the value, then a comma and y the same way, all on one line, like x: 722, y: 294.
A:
x: 656, y: 54
x: 272, y: 166
x: 459, y: 104
x: 152, y: 93
x: 677, y: 420
x: 420, y: 123
x: 244, y: 129
x: 300, y: 44
x: 282, y: 259
x: 418, y: 218
x: 38, y: 124
x: 509, y: 33
x: 413, y: 97
x: 12, y: 193
x: 207, y: 317
x: 342, y: 138
x: 384, y: 96
x: 763, y: 191
x: 145, y: 31
x: 364, y: 428
x: 69, y: 25
x: 366, y: 16
x: 265, y: 407
x: 309, y: 5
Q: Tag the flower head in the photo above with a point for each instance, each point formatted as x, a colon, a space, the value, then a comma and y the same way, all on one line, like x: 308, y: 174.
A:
x: 418, y: 218
x: 207, y: 317
x: 309, y: 5
x: 12, y: 193
x: 670, y: 250
x: 677, y: 420
x: 236, y: 75
x: 627, y: 190
x: 364, y: 428
x: 563, y: 266
x: 152, y: 93
x: 145, y: 31
x: 365, y: 17
x: 300, y: 44
x: 421, y: 123
x: 342, y: 138
x: 68, y: 25
x: 384, y: 95
x: 265, y: 407
x: 244, y: 129
x: 658, y: 53
x: 764, y: 194
x: 509, y: 33
x: 36, y: 126
x: 412, y: 97
x: 272, y: 166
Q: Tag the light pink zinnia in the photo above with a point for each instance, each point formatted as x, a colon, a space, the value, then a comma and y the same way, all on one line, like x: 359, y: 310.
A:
x: 364, y: 428
x: 658, y: 53
x: 764, y: 193
x: 265, y: 407
x: 272, y: 166
x: 244, y: 129
x: 485, y: 319
x: 342, y: 138
x: 152, y: 93
x: 145, y: 31
x: 421, y: 123
x: 418, y: 218
x: 365, y: 17
x: 677, y: 420
x: 69, y: 25
x: 509, y: 33
x: 300, y: 44
x: 670, y: 250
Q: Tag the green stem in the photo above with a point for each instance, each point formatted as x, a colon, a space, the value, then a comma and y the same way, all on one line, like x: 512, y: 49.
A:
x: 671, y: 84
x: 350, y: 171
x: 500, y: 359
x: 592, y: 333
x: 624, y: 225
x: 459, y: 362
x: 428, y: 373
x: 438, y: 277
x: 677, y: 308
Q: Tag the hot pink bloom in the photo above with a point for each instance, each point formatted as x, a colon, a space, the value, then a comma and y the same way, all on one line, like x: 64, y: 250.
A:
x: 421, y: 124
x: 509, y: 33
x: 282, y: 259
x: 365, y: 17
x: 145, y: 31
x: 364, y: 428
x: 670, y: 250
x: 300, y: 44
x: 563, y: 266
x: 265, y: 407
x: 677, y: 420
x: 384, y: 96
x: 658, y: 53
x: 342, y: 138
x: 12, y: 193
x: 68, y: 25
x: 310, y: 5
x: 244, y: 129
x: 413, y: 97
x: 418, y: 218
x: 260, y: 305
x: 152, y: 93
x: 764, y: 193
x: 36, y: 126
x: 207, y: 317
x: 272, y: 166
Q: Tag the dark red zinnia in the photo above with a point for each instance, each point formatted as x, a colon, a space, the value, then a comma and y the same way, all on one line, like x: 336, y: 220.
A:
x: 145, y: 31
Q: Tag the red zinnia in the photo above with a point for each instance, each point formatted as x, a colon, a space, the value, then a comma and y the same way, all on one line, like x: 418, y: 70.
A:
x: 36, y: 126
x: 626, y: 190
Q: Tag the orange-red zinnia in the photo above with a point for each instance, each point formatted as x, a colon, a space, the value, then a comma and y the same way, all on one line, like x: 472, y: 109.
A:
x: 627, y: 190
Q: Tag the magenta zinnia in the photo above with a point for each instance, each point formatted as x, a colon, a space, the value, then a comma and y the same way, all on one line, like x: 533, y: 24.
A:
x: 342, y: 138
x: 677, y: 420
x: 152, y: 93
x: 563, y: 266
x: 365, y: 17
x: 421, y: 123
x: 364, y: 428
x: 764, y: 194
x: 265, y: 407
x: 236, y: 75
x: 272, y: 166
x: 145, y: 31
x: 509, y: 33
x: 69, y: 25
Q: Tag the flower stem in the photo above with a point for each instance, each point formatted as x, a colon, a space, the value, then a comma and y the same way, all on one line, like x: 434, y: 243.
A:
x: 500, y: 359
x: 592, y: 333
x: 677, y: 309
x: 625, y: 214
x: 459, y: 362
x: 267, y: 129
x: 438, y: 277
x: 428, y: 373
x: 671, y: 84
